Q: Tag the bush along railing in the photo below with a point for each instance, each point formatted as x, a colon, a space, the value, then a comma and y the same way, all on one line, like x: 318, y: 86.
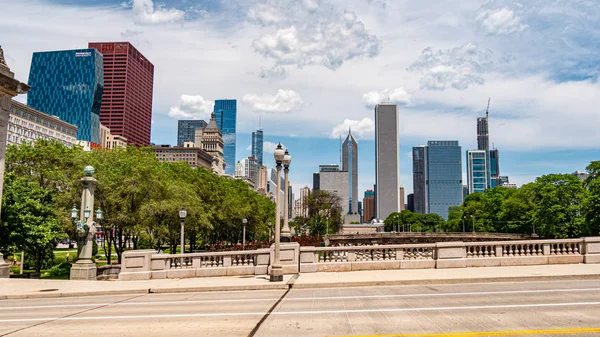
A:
x: 146, y: 264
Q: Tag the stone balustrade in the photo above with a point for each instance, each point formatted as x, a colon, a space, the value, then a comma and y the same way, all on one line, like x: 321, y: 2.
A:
x: 147, y: 264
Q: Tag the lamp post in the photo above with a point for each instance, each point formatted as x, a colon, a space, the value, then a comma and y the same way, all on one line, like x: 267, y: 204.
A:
x: 286, y: 235
x: 182, y: 215
x: 277, y: 269
x: 270, y: 230
x: 244, y: 221
x: 98, y: 218
x: 85, y: 268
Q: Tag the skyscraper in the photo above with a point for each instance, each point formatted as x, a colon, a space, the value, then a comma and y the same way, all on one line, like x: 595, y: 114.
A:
x: 494, y: 168
x: 369, y: 208
x: 331, y: 179
x: 483, y: 142
x: 387, y: 166
x: 128, y: 88
x: 226, y: 112
x: 350, y: 165
x: 304, y: 192
x: 419, y: 157
x: 401, y: 198
x: 476, y: 170
x: 186, y: 130
x: 437, y: 177
x: 444, y: 176
x: 69, y: 84
x: 257, y: 146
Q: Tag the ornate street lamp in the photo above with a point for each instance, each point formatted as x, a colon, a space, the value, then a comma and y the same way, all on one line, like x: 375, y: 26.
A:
x: 98, y: 218
x: 182, y: 215
x: 277, y: 269
x: 87, y: 213
x: 286, y: 234
x: 74, y: 213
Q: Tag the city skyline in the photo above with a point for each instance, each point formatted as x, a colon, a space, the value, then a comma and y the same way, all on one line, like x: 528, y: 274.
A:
x: 528, y: 79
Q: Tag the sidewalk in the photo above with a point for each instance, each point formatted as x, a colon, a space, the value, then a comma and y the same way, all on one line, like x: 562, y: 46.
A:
x: 23, y: 288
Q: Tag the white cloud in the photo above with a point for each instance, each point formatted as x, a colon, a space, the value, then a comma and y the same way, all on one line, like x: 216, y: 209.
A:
x: 399, y: 96
x: 192, y: 107
x: 270, y: 147
x: 130, y: 33
x: 144, y: 13
x: 265, y: 15
x: 282, y: 101
x: 329, y: 43
x: 457, y: 68
x: 361, y: 129
x: 276, y: 72
x: 501, y: 21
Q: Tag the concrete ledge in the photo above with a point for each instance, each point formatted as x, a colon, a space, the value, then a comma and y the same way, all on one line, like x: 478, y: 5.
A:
x: 417, y: 264
x: 451, y: 263
x: 375, y: 265
x: 261, y: 270
x: 308, y: 267
x: 592, y: 258
x: 290, y: 269
x: 158, y: 274
x: 565, y: 259
x: 333, y: 266
x: 181, y: 273
x: 237, y: 271
x: 135, y: 276
x: 484, y: 262
x: 523, y: 260
x: 211, y: 272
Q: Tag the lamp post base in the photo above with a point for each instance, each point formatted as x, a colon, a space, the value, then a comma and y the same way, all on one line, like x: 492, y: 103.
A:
x: 285, y: 238
x: 83, y: 270
x: 276, y: 274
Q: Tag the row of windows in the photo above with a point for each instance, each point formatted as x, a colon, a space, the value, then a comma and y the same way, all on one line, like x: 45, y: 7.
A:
x: 37, y: 120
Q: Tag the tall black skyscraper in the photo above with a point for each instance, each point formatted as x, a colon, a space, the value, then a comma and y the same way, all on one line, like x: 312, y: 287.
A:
x: 257, y: 146
x: 350, y: 164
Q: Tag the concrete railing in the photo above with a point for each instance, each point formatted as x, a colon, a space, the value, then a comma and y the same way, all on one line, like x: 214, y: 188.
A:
x: 147, y: 264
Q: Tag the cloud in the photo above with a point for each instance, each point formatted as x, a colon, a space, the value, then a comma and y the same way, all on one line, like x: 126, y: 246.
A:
x: 192, y: 107
x: 283, y: 101
x: 144, y: 13
x: 329, y: 43
x: 276, y: 72
x: 269, y: 147
x: 249, y: 147
x: 457, y: 68
x: 399, y: 96
x: 265, y: 15
x: 361, y: 129
x: 130, y: 33
x: 501, y: 21
x: 381, y: 3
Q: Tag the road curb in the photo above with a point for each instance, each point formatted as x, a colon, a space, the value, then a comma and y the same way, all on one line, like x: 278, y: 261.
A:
x: 294, y: 283
x: 446, y: 281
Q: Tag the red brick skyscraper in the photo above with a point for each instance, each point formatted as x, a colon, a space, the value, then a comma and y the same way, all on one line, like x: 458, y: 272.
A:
x: 128, y: 83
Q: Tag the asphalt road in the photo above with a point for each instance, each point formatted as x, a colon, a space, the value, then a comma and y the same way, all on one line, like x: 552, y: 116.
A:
x: 533, y: 308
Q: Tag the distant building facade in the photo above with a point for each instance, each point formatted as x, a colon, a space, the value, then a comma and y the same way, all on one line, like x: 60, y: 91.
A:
x: 582, y: 175
x: 368, y: 208
x: 211, y: 141
x: 401, y: 197
x: 350, y: 165
x: 410, y: 202
x: 69, y: 84
x: 477, y: 170
x: 437, y: 177
x: 257, y: 146
x: 261, y: 186
x: 387, y: 161
x: 186, y: 130
x: 226, y: 115
x: 304, y: 195
x: 26, y: 125
x: 128, y: 89
x: 188, y: 153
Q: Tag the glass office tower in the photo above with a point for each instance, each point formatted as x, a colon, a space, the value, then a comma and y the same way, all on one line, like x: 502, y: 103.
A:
x: 226, y: 111
x: 476, y: 170
x: 257, y: 146
x: 444, y: 176
x: 350, y: 164
x: 69, y: 84
x: 186, y: 130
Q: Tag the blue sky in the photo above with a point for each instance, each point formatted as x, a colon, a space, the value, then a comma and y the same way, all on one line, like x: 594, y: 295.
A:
x: 312, y: 68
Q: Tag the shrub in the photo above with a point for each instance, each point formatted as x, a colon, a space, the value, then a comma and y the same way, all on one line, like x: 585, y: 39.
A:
x: 63, y: 269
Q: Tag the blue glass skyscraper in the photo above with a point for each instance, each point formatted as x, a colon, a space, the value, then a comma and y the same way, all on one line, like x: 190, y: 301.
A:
x: 444, y: 176
x: 226, y: 111
x: 69, y: 84
x: 257, y: 146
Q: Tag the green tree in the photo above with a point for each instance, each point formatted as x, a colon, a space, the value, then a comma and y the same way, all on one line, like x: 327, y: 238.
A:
x: 28, y: 221
x: 591, y: 225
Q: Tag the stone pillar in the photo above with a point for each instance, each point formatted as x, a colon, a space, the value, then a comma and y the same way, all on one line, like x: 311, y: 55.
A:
x: 4, y: 267
x: 451, y: 255
x: 85, y: 268
x: 591, y: 249
x: 9, y: 88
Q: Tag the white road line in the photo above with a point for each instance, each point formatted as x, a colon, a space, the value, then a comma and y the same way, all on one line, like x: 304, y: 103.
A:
x: 287, y: 299
x: 476, y: 307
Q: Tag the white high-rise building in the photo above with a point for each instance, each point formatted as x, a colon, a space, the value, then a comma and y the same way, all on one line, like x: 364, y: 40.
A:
x: 387, y: 161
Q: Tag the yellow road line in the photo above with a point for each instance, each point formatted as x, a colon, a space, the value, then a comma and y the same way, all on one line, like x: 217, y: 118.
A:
x: 567, y: 331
